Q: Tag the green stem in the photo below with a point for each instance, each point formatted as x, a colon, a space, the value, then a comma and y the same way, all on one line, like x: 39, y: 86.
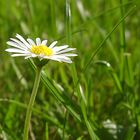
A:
x: 31, y: 103
x: 122, y: 46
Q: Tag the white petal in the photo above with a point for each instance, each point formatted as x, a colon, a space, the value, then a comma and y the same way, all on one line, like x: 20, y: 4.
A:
x: 19, y: 43
x: 51, y: 58
x: 66, y: 50
x: 15, y: 55
x: 38, y: 41
x: 62, y: 59
x: 16, y: 50
x: 31, y: 42
x: 23, y: 40
x: 54, y: 57
x: 67, y: 61
x: 68, y: 54
x: 14, y: 44
x: 56, y: 49
x: 53, y: 44
x: 44, y: 42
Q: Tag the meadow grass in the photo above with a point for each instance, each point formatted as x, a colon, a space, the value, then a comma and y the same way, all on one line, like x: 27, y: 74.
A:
x: 94, y: 98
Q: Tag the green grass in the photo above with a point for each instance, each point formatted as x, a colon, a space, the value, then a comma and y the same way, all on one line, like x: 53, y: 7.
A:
x: 96, y: 97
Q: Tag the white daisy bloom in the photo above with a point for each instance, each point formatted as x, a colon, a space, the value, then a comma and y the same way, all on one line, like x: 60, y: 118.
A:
x: 28, y: 48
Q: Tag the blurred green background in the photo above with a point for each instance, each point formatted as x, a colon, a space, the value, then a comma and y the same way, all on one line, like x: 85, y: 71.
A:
x: 96, y: 97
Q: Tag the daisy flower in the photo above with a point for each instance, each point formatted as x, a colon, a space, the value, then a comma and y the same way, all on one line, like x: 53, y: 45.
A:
x: 30, y: 49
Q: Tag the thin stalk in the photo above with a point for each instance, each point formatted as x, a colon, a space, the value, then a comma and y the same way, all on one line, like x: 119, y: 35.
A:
x: 68, y: 40
x: 122, y: 36
x: 53, y: 18
x: 75, y: 76
x: 31, y: 103
x: 66, y: 115
x: 69, y: 36
x: 122, y: 46
x: 47, y: 132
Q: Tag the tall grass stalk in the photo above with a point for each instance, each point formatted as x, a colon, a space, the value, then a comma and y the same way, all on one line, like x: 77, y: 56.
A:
x: 69, y: 42
x: 122, y: 46
x: 53, y: 18
x: 47, y: 131
x: 74, y: 72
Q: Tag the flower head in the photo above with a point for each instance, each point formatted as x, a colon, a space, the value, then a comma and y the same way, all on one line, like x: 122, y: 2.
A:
x: 28, y: 48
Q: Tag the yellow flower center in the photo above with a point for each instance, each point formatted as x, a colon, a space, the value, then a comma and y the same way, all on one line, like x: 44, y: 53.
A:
x: 41, y: 49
